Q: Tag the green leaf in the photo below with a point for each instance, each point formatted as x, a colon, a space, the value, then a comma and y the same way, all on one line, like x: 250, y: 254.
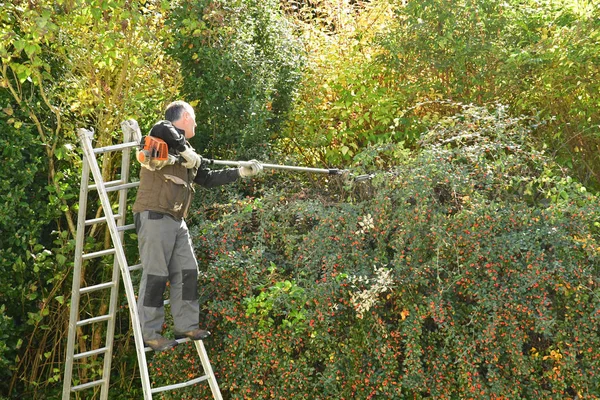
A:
x: 61, y: 259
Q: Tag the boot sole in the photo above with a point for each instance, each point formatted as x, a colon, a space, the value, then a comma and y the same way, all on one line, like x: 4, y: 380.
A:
x: 162, y: 348
x: 192, y: 338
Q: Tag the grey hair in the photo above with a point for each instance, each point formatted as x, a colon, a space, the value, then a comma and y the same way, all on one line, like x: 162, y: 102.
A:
x: 174, y: 111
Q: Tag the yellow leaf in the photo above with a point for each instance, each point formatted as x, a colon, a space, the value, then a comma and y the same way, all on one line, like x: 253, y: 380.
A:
x: 404, y: 313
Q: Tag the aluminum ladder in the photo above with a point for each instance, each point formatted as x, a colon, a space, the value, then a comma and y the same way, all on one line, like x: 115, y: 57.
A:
x: 116, y: 226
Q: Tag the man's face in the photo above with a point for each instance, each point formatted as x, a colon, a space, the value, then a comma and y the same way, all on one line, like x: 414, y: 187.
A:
x: 188, y: 123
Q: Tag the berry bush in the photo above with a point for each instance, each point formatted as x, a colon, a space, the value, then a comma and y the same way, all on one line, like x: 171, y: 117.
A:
x: 468, y: 270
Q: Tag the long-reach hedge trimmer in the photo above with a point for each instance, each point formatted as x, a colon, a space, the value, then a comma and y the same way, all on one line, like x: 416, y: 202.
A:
x: 154, y: 151
x: 333, y: 171
x: 330, y: 171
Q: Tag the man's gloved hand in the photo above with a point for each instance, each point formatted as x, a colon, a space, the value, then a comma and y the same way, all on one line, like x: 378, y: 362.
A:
x: 150, y: 164
x: 253, y: 169
x: 155, y: 165
x: 192, y: 160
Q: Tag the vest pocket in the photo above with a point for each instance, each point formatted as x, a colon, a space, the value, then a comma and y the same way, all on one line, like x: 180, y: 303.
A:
x: 174, y: 195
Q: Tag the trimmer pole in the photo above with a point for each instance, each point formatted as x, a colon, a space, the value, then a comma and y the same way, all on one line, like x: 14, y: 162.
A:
x: 333, y: 171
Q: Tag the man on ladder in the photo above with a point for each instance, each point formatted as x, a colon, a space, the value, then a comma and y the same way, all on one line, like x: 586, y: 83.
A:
x: 161, y: 206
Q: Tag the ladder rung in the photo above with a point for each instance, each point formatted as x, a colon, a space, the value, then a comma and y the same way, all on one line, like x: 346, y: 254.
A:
x: 107, y: 184
x: 103, y: 220
x: 100, y: 286
x: 95, y: 319
x: 90, y: 353
x: 115, y: 147
x: 180, y: 385
x: 135, y: 267
x: 123, y: 186
x: 113, y: 186
x: 100, y: 220
x: 125, y: 227
x: 87, y: 385
x: 99, y: 254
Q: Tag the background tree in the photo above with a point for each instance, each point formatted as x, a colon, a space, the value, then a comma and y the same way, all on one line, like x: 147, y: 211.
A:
x: 538, y: 57
x: 377, y: 72
x: 240, y: 64
x: 347, y: 100
x: 64, y: 65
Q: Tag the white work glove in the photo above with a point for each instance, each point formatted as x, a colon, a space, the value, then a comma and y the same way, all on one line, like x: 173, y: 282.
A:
x: 253, y: 169
x: 192, y: 160
x: 155, y: 165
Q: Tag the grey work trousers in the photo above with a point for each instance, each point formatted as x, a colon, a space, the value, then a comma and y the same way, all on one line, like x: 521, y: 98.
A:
x: 166, y: 254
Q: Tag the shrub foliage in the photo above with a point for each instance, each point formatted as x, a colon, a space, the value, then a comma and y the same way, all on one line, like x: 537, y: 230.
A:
x: 468, y: 271
x: 536, y: 56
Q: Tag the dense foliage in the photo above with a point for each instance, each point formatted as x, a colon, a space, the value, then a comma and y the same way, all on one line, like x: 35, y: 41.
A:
x: 381, y: 72
x: 469, y: 270
x: 466, y: 268
x: 22, y: 224
x: 540, y: 58
x: 348, y: 99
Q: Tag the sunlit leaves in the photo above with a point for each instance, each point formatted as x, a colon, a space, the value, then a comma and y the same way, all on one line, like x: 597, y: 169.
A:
x: 534, y: 56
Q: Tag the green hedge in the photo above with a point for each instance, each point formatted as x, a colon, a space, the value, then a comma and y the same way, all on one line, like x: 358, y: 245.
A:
x: 468, y: 271
x: 23, y: 233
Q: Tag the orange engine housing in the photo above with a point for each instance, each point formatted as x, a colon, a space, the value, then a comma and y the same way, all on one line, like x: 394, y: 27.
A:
x: 153, y: 148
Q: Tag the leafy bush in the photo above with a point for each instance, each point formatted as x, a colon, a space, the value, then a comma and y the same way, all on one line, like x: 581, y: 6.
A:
x: 7, y: 344
x: 25, y: 213
x: 240, y: 65
x: 381, y: 73
x: 535, y: 56
x: 33, y: 256
x: 469, y: 271
x: 348, y: 98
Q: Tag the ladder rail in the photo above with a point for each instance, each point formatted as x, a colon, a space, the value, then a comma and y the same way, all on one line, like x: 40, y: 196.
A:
x: 75, y: 292
x: 208, y: 371
x: 85, y: 136
x: 116, y: 273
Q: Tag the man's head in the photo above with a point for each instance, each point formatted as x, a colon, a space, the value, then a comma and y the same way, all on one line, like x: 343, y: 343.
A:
x: 182, y: 116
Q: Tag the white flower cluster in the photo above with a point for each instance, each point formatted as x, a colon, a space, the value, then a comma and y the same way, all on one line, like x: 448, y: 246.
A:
x: 365, y: 225
x: 364, y: 299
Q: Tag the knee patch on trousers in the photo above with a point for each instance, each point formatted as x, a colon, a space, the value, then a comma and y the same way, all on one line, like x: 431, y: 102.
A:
x: 190, y: 284
x: 155, y: 287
